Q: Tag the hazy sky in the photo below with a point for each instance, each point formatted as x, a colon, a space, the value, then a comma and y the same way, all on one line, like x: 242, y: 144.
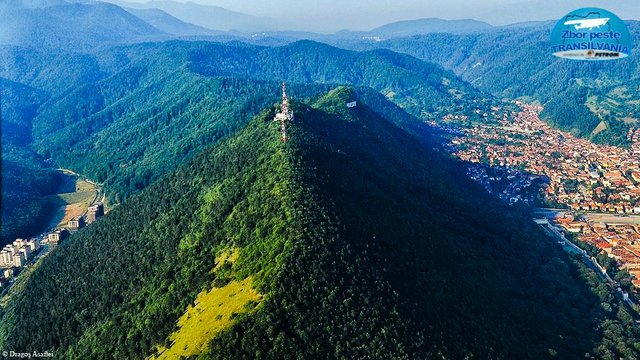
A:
x: 333, y: 15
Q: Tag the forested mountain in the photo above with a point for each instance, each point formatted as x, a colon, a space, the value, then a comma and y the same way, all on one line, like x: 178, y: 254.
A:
x: 128, y: 115
x: 70, y: 26
x: 427, y: 26
x: 19, y: 104
x: 207, y: 16
x: 354, y: 239
x: 52, y: 72
x: 349, y: 237
x: 25, y: 178
x: 515, y: 61
x: 169, y: 24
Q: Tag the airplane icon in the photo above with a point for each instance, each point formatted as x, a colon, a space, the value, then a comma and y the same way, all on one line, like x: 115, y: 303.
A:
x: 587, y: 23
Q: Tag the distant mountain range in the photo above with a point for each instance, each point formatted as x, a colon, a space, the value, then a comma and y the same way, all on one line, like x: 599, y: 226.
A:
x: 431, y: 25
x: 169, y: 24
x: 64, y: 25
x: 75, y: 25
x: 211, y: 17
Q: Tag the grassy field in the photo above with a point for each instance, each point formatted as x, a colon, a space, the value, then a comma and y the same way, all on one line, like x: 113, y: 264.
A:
x: 72, y: 199
x: 229, y: 255
x: 602, y: 126
x: 214, y: 311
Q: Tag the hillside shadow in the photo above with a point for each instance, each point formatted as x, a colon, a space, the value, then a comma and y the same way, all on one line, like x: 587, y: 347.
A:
x: 67, y: 183
x: 538, y: 285
x: 504, y: 183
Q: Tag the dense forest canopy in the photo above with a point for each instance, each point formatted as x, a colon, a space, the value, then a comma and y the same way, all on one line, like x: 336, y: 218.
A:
x: 356, y: 238
x: 515, y: 61
x: 26, y: 180
x: 351, y: 235
x: 127, y: 115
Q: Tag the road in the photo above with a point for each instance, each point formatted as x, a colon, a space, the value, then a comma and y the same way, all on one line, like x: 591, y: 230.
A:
x: 612, y: 218
x: 592, y: 216
x: 94, y: 200
x: 69, y: 172
x: 590, y: 261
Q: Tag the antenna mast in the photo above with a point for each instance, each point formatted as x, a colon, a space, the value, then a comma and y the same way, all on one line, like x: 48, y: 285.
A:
x: 285, y: 114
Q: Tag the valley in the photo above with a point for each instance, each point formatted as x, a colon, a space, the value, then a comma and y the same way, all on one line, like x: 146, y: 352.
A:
x: 523, y: 160
x: 280, y: 194
x: 73, y: 198
x: 77, y: 202
x: 580, y: 174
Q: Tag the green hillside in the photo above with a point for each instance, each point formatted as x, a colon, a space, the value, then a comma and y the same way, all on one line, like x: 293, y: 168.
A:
x: 26, y: 182
x: 352, y: 245
x: 26, y: 179
x: 127, y: 115
x: 516, y: 62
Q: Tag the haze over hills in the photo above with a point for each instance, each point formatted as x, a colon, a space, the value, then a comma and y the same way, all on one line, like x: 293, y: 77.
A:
x: 218, y: 18
x: 211, y: 17
x: 360, y: 15
x: 169, y: 24
x: 71, y: 26
x: 432, y: 25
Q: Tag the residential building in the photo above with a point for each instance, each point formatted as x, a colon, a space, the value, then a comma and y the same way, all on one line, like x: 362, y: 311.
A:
x: 76, y: 223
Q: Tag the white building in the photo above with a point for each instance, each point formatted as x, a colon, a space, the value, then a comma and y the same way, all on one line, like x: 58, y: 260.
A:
x: 33, y: 244
x: 18, y: 252
x: 6, y: 258
x: 8, y: 273
x: 19, y: 260
x: 26, y: 251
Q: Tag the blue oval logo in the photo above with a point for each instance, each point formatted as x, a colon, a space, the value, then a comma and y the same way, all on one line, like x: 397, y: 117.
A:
x: 591, y: 34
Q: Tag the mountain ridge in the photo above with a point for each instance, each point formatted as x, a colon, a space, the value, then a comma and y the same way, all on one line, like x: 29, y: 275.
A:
x: 343, y: 230
x: 132, y: 85
x: 207, y: 16
x: 164, y: 22
x: 73, y: 26
x: 430, y: 25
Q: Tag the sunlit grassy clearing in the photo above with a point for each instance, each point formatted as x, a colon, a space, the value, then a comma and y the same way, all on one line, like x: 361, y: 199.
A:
x: 214, y: 311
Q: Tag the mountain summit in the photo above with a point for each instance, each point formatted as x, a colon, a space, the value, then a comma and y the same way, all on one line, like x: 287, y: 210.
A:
x: 343, y: 242
x: 70, y: 26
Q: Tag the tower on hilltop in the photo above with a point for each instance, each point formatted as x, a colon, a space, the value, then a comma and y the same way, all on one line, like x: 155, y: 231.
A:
x: 285, y: 114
